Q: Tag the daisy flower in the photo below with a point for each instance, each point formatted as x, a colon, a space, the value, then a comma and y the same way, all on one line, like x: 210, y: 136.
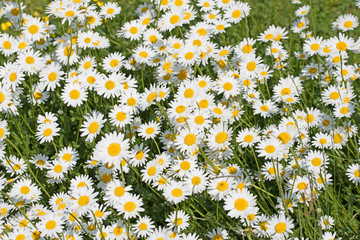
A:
x: 188, y: 56
x: 51, y: 225
x: 47, y: 131
x: 218, y: 234
x: 178, y: 219
x: 343, y: 110
x: 317, y: 161
x: 151, y: 171
x: 40, y: 161
x: 31, y: 61
x: 219, y: 188
x: 341, y: 43
x: 329, y: 236
x: 313, y: 45
x: 25, y: 189
x: 113, y: 62
x: 170, y: 20
x: 84, y: 198
x: 7, y: 44
x: 219, y: 137
x: 74, y: 94
x: 67, y: 54
x: 188, y: 140
x: 112, y: 148
x: 34, y: 29
x: 110, y: 86
x: 248, y: 137
x: 346, y: 22
x: 149, y: 130
x: 51, y: 76
x: 197, y: 179
x: 92, y: 125
x: 86, y: 64
x: 132, y: 30
x: 130, y: 206
x: 109, y: 10
x: 265, y: 109
x: 139, y: 155
x: 326, y: 222
x: 143, y: 54
x: 12, y: 74
x: 321, y: 140
x: 270, y: 148
x: 89, y: 78
x: 271, y: 171
x: 143, y: 227
x: 176, y: 192
x: 280, y: 227
x: 302, y: 11
x: 120, y: 116
x: 56, y: 171
x: 236, y: 11
x: 228, y: 85
x: 240, y: 203
x: 69, y: 155
x: 115, y: 191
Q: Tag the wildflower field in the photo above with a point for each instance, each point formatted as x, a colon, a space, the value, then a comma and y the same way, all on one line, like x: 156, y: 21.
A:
x: 179, y: 119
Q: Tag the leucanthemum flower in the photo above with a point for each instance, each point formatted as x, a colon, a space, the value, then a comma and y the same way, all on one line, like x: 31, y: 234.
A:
x: 170, y: 20
x: 248, y: 137
x: 31, y: 61
x: 56, y: 171
x: 302, y: 11
x: 51, y: 225
x: 236, y: 11
x: 188, y: 141
x: 111, y: 148
x: 132, y: 30
x: 178, y: 219
x: 40, y: 161
x: 219, y: 137
x: 219, y: 188
x: 143, y: 227
x: 139, y: 154
x: 92, y: 125
x: 25, y: 189
x: 143, y: 54
x: 197, y: 179
x: 326, y: 222
x: 51, y: 76
x: 130, y: 206
x: 270, y: 148
x: 266, y: 108
x: 73, y: 94
x: 109, y: 86
x: 47, y: 131
x: 120, y: 116
x: 240, y: 203
x: 346, y: 22
x: 67, y: 54
x: 149, y: 130
x: 109, y: 10
x: 176, y: 192
x: 280, y: 227
x: 12, y: 74
x: 113, y: 62
x: 228, y: 85
x: 34, y: 29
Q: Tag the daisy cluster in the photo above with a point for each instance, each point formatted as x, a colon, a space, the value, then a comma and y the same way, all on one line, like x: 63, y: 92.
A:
x: 168, y: 129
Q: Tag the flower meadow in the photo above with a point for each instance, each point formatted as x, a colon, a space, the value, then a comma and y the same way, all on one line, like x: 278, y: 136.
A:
x: 181, y: 120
